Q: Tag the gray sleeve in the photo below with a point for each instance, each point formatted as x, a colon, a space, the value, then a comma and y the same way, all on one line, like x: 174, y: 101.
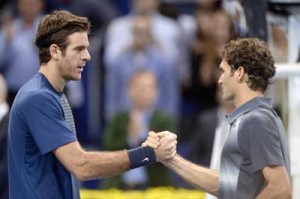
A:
x: 259, y: 140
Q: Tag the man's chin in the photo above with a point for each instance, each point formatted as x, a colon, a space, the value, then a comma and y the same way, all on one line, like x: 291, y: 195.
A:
x: 227, y: 98
x: 74, y: 78
x: 77, y: 79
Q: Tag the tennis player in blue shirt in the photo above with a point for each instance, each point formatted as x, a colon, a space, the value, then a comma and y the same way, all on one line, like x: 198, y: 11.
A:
x: 45, y: 158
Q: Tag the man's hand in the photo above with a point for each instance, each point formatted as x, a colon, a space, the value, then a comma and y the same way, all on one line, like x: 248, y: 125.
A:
x: 152, y: 140
x: 164, y: 144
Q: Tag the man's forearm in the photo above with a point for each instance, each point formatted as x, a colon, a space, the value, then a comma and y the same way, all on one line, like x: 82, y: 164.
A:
x: 104, y: 164
x: 200, y: 177
x: 278, y: 183
x: 271, y: 192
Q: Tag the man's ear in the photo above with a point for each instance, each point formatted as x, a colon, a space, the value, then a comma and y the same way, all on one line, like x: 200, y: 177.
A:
x: 54, y: 51
x: 241, y: 73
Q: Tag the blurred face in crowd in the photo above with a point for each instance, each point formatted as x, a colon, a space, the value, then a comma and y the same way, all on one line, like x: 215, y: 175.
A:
x: 222, y: 27
x: 30, y: 9
x: 71, y: 61
x: 205, y: 22
x: 145, y: 7
x: 142, y: 90
x: 141, y: 32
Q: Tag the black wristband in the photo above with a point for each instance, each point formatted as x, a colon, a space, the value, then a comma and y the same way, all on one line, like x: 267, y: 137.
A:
x: 141, y: 156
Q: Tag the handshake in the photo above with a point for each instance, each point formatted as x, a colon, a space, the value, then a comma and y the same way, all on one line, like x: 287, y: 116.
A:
x: 164, y: 144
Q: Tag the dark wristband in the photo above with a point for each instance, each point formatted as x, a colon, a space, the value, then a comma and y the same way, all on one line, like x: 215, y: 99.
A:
x: 141, y: 156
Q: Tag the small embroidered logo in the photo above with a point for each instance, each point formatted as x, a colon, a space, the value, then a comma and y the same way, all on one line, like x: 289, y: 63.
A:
x: 145, y: 160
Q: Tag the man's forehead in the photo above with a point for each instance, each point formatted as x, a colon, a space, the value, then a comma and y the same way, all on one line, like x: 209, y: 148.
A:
x: 79, y: 38
x: 223, y: 63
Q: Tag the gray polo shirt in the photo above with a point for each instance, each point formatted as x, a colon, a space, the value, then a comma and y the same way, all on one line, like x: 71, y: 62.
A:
x: 256, y: 139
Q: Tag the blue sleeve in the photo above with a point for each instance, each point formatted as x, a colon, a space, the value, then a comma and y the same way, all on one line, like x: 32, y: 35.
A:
x: 260, y: 141
x: 46, y: 122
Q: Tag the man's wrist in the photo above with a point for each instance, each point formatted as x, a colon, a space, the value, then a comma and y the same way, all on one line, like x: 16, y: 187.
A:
x: 141, y: 156
x: 169, y: 162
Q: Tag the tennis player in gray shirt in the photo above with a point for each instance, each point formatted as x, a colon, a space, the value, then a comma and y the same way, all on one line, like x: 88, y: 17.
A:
x: 255, y: 161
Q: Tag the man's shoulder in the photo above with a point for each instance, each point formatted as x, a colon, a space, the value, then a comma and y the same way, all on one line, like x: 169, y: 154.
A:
x: 34, y: 93
x: 38, y: 86
x: 259, y: 114
x: 257, y: 121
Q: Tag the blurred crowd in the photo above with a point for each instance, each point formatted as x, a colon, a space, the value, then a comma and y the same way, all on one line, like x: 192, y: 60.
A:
x: 154, y: 67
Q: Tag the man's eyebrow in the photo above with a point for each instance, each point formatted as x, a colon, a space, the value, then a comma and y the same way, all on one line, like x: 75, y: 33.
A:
x: 80, y: 47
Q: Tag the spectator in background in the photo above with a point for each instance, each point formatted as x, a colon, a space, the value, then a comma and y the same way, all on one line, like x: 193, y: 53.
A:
x: 236, y: 10
x: 214, y: 29
x: 129, y: 128
x: 164, y: 30
x: 143, y: 52
x: 100, y: 13
x: 278, y: 45
x: 18, y: 55
x: 188, y: 22
x: 278, y: 36
x: 4, y: 114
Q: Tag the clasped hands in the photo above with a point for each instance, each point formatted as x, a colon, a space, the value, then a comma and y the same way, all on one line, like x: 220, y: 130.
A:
x: 164, y: 144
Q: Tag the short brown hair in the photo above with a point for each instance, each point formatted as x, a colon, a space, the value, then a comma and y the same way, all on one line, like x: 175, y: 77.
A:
x: 55, y: 29
x: 254, y: 56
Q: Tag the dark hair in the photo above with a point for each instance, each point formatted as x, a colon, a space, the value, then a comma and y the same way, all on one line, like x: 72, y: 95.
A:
x: 254, y: 56
x: 55, y: 29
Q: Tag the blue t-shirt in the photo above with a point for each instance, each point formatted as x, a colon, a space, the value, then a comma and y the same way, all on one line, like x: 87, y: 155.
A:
x: 37, y: 126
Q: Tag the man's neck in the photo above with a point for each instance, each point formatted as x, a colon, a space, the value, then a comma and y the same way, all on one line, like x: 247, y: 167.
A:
x: 245, y: 96
x: 48, y: 70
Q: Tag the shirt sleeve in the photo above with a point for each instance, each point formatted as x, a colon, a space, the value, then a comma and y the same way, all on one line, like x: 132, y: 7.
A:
x: 260, y: 141
x: 46, y: 122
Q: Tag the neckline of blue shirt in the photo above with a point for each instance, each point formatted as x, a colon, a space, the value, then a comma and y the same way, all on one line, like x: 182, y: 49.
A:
x: 248, y: 106
x: 39, y: 74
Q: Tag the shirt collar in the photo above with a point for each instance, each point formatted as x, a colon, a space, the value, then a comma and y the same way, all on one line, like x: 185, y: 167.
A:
x: 248, y: 106
x: 49, y: 85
